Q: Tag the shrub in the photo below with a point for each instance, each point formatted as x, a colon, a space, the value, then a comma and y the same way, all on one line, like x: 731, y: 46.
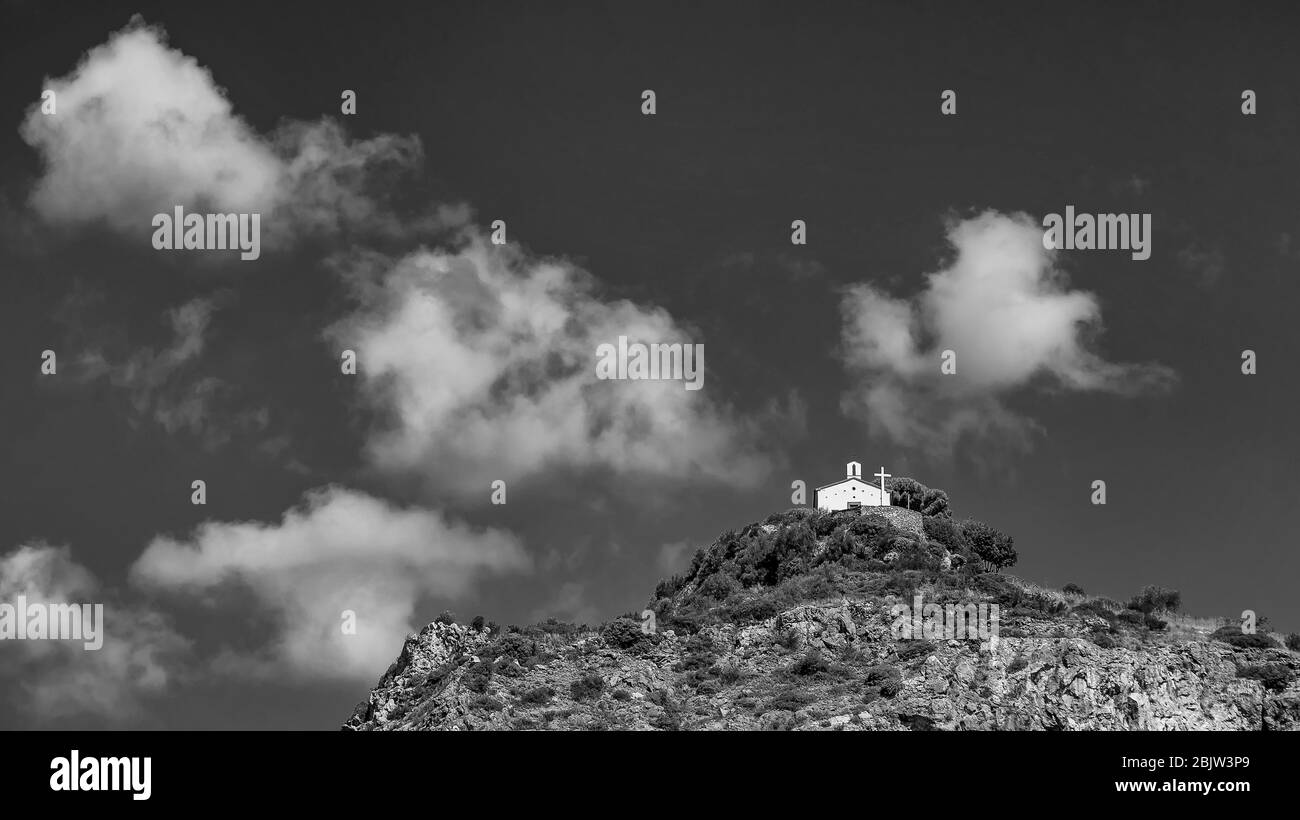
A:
x: 669, y: 587
x: 625, y: 633
x: 445, y: 617
x: 1094, y: 609
x: 622, y: 694
x: 810, y: 664
x: 1155, y: 598
x: 1017, y: 664
x: 514, y: 645
x: 1293, y: 641
x: 943, y: 531
x: 487, y: 703
x: 477, y: 623
x: 1103, y: 640
x: 1274, y: 676
x: 908, y: 650
x: 719, y: 586
x: 588, y: 686
x: 748, y: 609
x: 1233, y: 636
x: 1073, y: 589
x: 1131, y: 616
x: 791, y: 699
x: 477, y: 677
x: 538, y: 696
x: 995, y: 548
x: 1153, y: 623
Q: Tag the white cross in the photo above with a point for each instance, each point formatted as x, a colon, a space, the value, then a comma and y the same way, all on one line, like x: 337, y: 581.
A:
x: 882, y: 475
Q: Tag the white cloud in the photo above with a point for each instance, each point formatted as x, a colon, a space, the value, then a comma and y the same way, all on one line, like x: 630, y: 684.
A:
x: 141, y: 655
x: 340, y: 550
x: 481, y: 363
x: 1008, y: 314
x: 141, y: 128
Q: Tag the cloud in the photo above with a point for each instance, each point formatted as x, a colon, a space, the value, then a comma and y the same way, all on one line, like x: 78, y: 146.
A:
x: 160, y: 386
x: 141, y: 655
x: 339, y: 550
x: 1008, y: 314
x: 140, y: 128
x: 1207, y: 262
x: 480, y: 363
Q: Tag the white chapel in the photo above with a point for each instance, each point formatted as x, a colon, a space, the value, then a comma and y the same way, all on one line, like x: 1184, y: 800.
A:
x: 853, y: 491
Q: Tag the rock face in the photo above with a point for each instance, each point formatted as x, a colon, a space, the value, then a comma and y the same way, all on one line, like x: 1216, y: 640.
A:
x: 830, y: 664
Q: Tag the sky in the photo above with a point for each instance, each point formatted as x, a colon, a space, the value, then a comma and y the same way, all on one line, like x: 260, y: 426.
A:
x: 371, y: 492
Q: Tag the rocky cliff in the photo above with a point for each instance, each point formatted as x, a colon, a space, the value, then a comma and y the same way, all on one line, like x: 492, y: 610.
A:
x: 820, y: 648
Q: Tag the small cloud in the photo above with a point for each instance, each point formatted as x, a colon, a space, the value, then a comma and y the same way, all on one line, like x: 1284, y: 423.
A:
x: 1010, y: 317
x: 1206, y: 263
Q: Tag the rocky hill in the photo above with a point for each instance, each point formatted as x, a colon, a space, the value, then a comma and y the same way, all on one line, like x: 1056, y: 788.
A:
x: 799, y: 623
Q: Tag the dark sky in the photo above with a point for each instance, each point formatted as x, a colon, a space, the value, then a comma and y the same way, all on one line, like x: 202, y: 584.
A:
x: 767, y: 113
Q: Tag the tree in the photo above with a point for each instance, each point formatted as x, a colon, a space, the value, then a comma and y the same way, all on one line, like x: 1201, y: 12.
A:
x: 995, y: 548
x: 913, y: 495
x: 906, y: 492
x: 477, y: 623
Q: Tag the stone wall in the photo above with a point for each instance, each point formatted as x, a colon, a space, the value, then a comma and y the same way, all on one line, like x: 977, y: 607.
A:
x: 901, y: 517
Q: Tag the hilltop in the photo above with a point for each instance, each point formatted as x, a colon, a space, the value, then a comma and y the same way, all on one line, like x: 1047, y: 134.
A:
x: 791, y: 623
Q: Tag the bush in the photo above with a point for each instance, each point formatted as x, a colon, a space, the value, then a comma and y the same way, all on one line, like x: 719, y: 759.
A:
x: 477, y: 623
x: 622, y: 694
x: 811, y: 663
x: 1153, y: 623
x: 669, y: 587
x: 1131, y: 616
x: 943, y: 531
x: 908, y: 650
x: 538, y: 696
x: 790, y: 699
x: 719, y: 586
x: 477, y: 677
x: 1073, y: 589
x: 1155, y: 598
x: 487, y: 703
x: 446, y: 617
x: 1293, y: 641
x: 1274, y: 676
x: 1233, y: 636
x: 626, y: 634
x: 1103, y: 640
x: 742, y: 610
x: 996, y: 549
x: 588, y: 686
